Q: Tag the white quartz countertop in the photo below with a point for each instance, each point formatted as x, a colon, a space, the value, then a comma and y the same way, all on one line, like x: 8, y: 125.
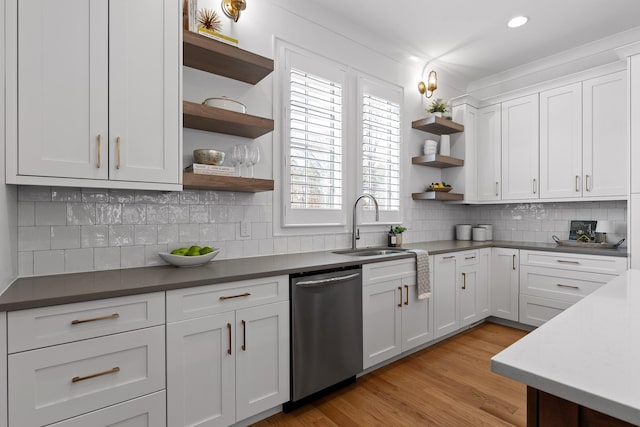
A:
x: 589, y: 354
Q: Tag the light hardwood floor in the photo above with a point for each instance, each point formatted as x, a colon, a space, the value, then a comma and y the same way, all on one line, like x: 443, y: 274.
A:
x: 449, y: 384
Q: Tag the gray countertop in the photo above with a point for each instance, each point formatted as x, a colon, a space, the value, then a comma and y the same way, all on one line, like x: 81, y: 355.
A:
x: 41, y: 291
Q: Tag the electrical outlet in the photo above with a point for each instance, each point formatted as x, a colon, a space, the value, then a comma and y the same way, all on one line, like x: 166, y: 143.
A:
x: 245, y: 229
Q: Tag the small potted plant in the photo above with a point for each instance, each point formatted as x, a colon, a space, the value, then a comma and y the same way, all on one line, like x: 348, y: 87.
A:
x: 437, y: 108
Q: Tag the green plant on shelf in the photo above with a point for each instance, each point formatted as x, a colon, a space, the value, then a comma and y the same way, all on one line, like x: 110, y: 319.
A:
x: 437, y: 106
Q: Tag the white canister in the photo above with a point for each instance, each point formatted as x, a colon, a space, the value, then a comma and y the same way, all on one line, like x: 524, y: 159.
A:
x: 463, y: 231
x: 479, y: 234
x: 489, y: 228
x: 445, y: 145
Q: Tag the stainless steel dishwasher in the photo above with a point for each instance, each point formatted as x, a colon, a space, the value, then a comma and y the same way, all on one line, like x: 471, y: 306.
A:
x: 326, y: 331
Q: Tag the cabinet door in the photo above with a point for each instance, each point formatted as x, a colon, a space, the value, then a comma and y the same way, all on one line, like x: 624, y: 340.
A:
x: 520, y: 148
x: 143, y: 90
x: 63, y: 88
x: 561, y: 142
x: 3, y: 369
x: 504, y: 286
x: 483, y: 297
x: 634, y: 105
x: 262, y: 358
x: 488, y: 153
x: 444, y: 295
x: 382, y: 322
x: 467, y: 283
x: 605, y: 135
x: 201, y: 372
x: 417, y: 326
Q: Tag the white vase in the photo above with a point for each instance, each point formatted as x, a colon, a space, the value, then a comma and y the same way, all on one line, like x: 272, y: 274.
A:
x: 445, y: 145
x: 437, y: 114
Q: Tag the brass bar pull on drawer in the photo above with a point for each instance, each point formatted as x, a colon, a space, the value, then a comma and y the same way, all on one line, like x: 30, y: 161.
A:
x: 229, y: 329
x: 400, y: 289
x: 406, y: 299
x: 98, y: 374
x: 95, y: 319
x: 578, y: 183
x: 564, y: 261
x: 246, y: 294
x: 244, y: 336
x: 99, y: 149
x: 588, y: 184
x: 567, y: 286
x: 513, y: 262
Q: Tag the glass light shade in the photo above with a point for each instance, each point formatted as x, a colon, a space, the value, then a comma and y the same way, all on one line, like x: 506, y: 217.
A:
x: 604, y: 227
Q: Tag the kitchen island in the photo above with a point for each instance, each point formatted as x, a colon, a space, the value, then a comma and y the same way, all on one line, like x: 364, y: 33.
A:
x: 582, y: 367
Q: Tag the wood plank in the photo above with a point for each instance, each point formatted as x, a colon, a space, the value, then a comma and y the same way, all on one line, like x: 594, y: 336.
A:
x: 437, y: 126
x: 437, y: 195
x: 212, y: 119
x: 437, y: 161
x: 191, y: 181
x: 216, y: 57
x: 447, y: 384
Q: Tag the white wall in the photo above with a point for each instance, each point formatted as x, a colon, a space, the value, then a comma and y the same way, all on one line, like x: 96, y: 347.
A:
x: 8, y: 209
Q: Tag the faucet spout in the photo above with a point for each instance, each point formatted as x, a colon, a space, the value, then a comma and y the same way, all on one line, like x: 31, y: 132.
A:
x: 355, y: 233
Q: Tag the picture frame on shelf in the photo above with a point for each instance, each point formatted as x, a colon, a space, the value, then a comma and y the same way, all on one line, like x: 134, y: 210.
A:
x: 205, y: 17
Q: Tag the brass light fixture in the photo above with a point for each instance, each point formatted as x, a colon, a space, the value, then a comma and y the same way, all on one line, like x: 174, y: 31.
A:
x: 232, y: 8
x: 431, y: 86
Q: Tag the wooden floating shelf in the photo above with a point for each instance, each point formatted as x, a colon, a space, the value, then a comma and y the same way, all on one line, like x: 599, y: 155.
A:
x: 212, y: 119
x: 438, y: 195
x: 437, y: 126
x: 191, y: 181
x: 213, y: 56
x: 437, y: 161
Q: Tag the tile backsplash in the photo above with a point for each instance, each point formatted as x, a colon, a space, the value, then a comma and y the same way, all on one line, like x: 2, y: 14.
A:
x: 71, y: 229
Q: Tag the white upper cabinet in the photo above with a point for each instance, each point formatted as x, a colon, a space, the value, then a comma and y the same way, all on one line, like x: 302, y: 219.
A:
x: 561, y: 142
x: 605, y: 136
x: 520, y: 148
x: 488, y: 152
x: 97, y: 99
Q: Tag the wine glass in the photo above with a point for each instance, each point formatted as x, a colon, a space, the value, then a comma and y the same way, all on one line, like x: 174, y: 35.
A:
x: 238, y: 157
x: 253, y: 156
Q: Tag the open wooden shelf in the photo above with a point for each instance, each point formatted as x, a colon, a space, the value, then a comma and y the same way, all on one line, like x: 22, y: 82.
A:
x: 437, y: 126
x: 438, y: 195
x: 437, y: 161
x: 191, y: 181
x: 216, y: 57
x: 203, y: 117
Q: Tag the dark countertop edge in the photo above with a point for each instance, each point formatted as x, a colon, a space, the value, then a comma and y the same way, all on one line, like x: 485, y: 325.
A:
x: 79, y: 287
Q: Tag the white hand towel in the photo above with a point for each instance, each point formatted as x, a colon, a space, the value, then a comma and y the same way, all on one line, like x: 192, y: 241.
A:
x: 422, y: 273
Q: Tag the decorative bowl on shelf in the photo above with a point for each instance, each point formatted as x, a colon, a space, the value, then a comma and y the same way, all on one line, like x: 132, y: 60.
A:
x: 188, y: 261
x: 440, y: 189
x: 226, y: 104
x: 208, y: 157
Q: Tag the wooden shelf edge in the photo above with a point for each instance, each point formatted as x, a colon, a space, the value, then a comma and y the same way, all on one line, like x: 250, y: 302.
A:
x: 437, y: 126
x: 435, y: 195
x: 437, y: 161
x: 212, y: 119
x: 191, y: 181
x: 213, y: 56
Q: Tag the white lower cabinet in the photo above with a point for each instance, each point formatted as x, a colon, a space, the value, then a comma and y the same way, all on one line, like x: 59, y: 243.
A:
x: 551, y: 282
x: 3, y: 370
x: 461, y: 289
x: 505, y: 283
x: 226, y: 367
x: 394, y: 319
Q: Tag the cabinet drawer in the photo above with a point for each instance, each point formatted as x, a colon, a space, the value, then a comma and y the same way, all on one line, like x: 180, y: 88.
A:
x: 60, y: 382
x: 469, y: 258
x: 576, y: 262
x: 387, y: 270
x: 201, y: 301
x: 147, y: 411
x: 570, y: 286
x: 46, y: 326
x: 536, y: 311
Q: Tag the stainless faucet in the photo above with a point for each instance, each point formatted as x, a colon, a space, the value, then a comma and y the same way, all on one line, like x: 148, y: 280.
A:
x: 355, y: 232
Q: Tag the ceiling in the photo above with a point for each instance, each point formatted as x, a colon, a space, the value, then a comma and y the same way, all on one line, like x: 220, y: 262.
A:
x: 470, y: 37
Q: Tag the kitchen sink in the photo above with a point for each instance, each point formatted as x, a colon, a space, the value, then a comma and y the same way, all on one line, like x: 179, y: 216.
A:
x: 371, y: 252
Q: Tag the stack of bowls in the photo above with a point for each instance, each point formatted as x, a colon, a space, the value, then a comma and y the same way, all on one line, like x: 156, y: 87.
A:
x: 430, y: 147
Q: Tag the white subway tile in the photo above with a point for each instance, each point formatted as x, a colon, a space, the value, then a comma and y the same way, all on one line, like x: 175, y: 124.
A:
x: 121, y: 235
x: 48, y: 262
x: 265, y: 246
x: 108, y: 213
x: 306, y: 243
x: 168, y: 234
x: 218, y: 214
x: 49, y: 213
x: 227, y: 231
x: 250, y: 248
x: 151, y: 256
x: 26, y: 214
x: 64, y: 194
x: 65, y: 237
x: 189, y: 198
x: 293, y: 244
x: 94, y: 236
x: 178, y: 214
x: 122, y: 196
x: 78, y: 260
x: 28, y: 193
x: 25, y: 264
x: 318, y: 243
x: 616, y: 214
x: 209, y: 197
x: 236, y: 213
x: 198, y: 214
x: 253, y: 213
x: 157, y: 214
x: 34, y: 238
x: 280, y: 245
x: 259, y: 230
x: 81, y: 213
x: 131, y: 256
x: 134, y: 214
x: 235, y: 249
x: 208, y: 232
x: 189, y: 232
x: 227, y: 198
x: 95, y: 195
x: 106, y: 258
x: 146, y: 235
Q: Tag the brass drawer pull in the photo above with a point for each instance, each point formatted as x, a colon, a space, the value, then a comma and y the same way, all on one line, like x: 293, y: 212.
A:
x: 567, y: 286
x: 95, y: 319
x: 244, y: 336
x: 464, y: 280
x: 578, y: 183
x: 513, y: 262
x: 400, y: 289
x: 99, y: 149
x: 406, y: 300
x: 229, y: 329
x: 588, y: 184
x: 99, y: 374
x: 568, y: 262
x: 246, y: 294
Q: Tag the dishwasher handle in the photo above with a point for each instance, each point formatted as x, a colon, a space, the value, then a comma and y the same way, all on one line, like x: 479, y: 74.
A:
x: 326, y: 282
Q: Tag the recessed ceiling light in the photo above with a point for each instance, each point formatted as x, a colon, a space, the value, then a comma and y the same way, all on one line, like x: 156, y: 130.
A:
x: 517, y: 21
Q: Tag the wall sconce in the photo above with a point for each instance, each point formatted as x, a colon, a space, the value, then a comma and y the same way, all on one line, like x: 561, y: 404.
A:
x: 432, y: 84
x: 232, y: 8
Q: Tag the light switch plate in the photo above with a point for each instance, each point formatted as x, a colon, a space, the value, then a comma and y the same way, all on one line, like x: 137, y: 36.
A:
x: 245, y: 230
